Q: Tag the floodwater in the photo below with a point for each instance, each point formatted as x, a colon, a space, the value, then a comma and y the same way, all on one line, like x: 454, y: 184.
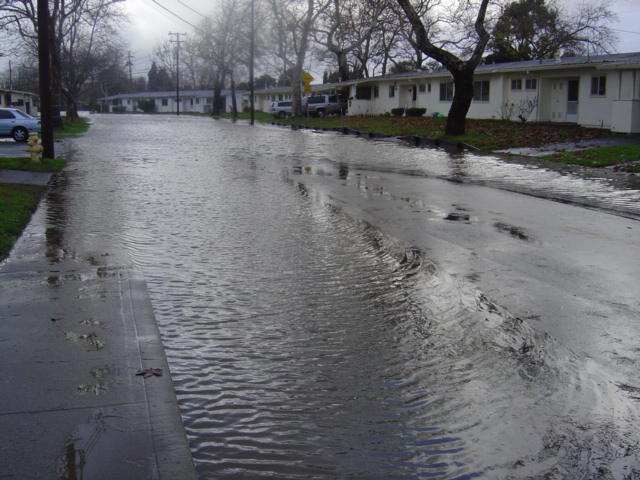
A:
x: 308, y: 338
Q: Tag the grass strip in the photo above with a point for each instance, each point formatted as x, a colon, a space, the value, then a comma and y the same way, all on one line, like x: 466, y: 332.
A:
x: 72, y: 128
x: 24, y: 163
x: 17, y: 204
x: 485, y: 135
x: 600, y: 156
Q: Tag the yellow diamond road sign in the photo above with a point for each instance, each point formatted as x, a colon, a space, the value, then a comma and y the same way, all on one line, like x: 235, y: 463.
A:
x: 307, y: 78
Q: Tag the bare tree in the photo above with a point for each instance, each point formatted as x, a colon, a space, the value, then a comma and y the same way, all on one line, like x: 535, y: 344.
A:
x: 83, y: 32
x: 222, y: 45
x: 461, y: 70
x: 293, y: 22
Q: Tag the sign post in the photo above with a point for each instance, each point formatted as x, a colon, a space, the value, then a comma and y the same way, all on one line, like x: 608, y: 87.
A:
x: 307, y: 79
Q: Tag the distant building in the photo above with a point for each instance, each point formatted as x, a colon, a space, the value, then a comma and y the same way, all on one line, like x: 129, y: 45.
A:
x: 600, y: 91
x: 191, y: 101
x: 25, y: 101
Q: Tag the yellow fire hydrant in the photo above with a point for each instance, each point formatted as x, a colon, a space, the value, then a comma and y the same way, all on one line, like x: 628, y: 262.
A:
x: 35, y: 147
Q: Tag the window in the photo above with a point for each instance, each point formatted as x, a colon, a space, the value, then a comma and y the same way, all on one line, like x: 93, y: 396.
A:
x: 531, y: 84
x: 376, y: 91
x: 165, y: 102
x: 422, y: 88
x: 481, y: 91
x: 516, y: 84
x: 429, y: 87
x: 446, y: 91
x: 392, y: 91
x: 280, y: 97
x: 363, y: 92
x: 598, y: 86
x: 6, y: 114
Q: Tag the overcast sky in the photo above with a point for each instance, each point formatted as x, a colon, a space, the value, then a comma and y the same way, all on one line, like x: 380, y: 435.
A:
x: 149, y: 25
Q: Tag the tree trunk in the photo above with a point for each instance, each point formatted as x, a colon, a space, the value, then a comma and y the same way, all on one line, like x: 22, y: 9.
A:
x: 456, y: 119
x: 234, y: 103
x: 217, y: 98
x: 461, y: 70
x: 72, y: 110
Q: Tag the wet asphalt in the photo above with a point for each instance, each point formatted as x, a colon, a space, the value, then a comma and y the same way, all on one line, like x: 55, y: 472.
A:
x: 517, y: 350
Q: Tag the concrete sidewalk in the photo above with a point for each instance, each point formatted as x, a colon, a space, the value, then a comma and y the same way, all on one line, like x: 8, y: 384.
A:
x: 73, y: 335
x: 25, y: 178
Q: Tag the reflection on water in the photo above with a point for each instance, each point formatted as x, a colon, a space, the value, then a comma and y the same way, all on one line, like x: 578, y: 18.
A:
x: 302, y: 342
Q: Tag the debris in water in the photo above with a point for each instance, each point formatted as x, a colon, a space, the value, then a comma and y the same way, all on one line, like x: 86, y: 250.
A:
x: 456, y: 217
x: 150, y: 372
x: 97, y: 389
x: 512, y: 230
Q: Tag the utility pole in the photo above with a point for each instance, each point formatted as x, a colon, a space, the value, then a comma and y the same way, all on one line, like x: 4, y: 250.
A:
x: 44, y: 64
x: 177, y: 42
x: 252, y: 108
x: 130, y: 64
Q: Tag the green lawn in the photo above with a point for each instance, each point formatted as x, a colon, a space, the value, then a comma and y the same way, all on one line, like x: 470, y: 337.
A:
x: 600, y: 157
x: 71, y: 128
x: 17, y: 204
x: 24, y: 163
x: 485, y: 135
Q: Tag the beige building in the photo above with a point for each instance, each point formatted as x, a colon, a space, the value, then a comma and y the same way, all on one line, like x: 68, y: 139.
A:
x: 25, y: 101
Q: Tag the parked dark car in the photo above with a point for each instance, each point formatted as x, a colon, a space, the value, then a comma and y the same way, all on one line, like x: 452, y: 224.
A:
x: 16, y: 124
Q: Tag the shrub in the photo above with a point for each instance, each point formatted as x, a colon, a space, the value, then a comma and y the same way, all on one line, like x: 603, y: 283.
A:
x: 409, y: 112
x: 416, y: 112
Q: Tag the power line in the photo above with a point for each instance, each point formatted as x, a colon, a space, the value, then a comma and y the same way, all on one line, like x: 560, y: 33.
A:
x: 175, y: 15
x: 625, y: 31
x: 194, y: 11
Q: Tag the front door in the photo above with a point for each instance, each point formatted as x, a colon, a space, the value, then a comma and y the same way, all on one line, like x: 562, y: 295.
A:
x: 573, y: 87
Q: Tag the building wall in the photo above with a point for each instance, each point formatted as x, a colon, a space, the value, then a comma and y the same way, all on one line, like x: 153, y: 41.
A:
x: 595, y: 111
x: 21, y: 100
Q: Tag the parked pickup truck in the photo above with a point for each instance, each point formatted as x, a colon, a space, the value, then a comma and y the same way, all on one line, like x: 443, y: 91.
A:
x: 322, y: 105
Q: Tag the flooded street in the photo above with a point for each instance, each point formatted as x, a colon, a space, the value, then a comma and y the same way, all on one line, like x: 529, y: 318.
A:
x: 335, y: 307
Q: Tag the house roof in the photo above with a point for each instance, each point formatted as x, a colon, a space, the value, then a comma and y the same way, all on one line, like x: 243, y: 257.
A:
x: 611, y: 61
x: 19, y: 92
x: 318, y: 87
x: 172, y: 94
